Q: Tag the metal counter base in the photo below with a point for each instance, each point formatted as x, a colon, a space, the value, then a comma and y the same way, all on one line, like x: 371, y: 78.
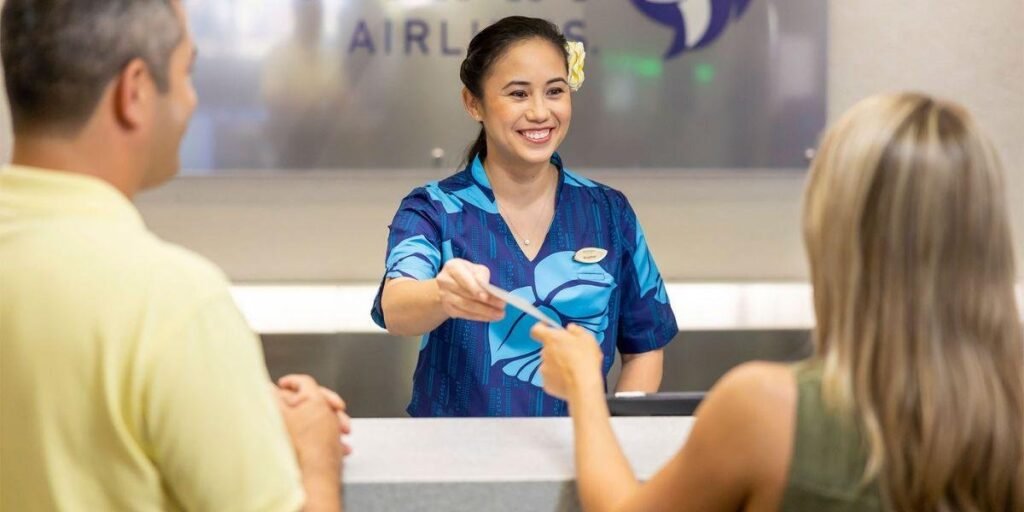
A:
x: 479, y: 464
x: 373, y: 372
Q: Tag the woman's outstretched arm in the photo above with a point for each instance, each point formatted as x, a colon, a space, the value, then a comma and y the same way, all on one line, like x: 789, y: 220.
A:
x: 412, y: 307
x: 736, y: 456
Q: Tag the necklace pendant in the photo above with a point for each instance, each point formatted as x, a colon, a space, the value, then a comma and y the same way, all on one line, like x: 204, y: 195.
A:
x: 526, y: 242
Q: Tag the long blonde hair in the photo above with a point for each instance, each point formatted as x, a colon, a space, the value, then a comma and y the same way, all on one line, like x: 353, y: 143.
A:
x: 912, y: 263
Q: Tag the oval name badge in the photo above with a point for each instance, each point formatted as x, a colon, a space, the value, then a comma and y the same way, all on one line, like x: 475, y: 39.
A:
x: 590, y: 255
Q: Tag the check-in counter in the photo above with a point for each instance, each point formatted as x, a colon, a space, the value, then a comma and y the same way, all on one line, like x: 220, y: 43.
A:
x: 484, y: 464
x: 326, y: 331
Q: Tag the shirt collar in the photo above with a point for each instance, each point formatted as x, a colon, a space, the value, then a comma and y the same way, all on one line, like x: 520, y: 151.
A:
x: 52, y: 192
x: 476, y: 169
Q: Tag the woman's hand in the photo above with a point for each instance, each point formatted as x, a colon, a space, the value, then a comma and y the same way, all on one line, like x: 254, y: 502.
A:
x: 570, y: 361
x: 462, y: 295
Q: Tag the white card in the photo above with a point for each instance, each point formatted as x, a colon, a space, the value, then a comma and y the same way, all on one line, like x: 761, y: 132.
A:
x: 521, y: 304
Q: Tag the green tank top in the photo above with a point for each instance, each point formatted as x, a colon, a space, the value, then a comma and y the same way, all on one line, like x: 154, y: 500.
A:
x: 828, y: 455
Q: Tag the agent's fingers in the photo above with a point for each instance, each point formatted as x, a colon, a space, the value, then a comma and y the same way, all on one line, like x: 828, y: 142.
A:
x: 483, y: 277
x: 474, y: 310
x: 467, y: 280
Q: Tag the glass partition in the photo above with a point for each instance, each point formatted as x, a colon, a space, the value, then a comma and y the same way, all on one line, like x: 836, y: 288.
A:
x: 335, y: 85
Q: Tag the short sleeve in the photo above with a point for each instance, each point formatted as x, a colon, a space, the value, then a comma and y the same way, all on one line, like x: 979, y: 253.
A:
x: 646, y: 319
x: 414, y: 245
x: 211, y: 424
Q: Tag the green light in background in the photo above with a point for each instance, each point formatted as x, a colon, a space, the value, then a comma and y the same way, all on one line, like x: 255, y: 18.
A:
x: 647, y: 67
x: 704, y: 73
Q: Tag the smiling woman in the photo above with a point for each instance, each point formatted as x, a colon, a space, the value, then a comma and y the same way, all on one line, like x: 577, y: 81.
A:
x: 517, y: 218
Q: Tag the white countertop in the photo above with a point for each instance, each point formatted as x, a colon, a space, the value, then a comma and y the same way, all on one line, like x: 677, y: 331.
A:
x: 345, y: 308
x: 474, y: 450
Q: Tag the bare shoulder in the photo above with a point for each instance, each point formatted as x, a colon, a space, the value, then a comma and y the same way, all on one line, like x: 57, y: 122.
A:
x: 737, y: 454
x: 749, y: 397
x: 754, y: 401
x: 761, y: 383
x: 756, y: 404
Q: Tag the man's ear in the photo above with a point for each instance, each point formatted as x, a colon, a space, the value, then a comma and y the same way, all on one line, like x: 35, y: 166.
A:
x: 132, y: 93
x: 472, y: 105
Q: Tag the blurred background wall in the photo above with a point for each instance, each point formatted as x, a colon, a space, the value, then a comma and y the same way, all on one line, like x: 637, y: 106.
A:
x: 709, y: 225
x: 702, y: 225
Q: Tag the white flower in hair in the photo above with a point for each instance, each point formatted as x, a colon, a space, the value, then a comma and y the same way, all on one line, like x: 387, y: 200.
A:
x: 577, y: 54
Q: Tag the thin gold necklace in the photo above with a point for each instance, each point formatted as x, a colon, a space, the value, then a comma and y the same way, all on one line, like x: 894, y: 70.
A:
x: 511, y: 226
x: 508, y: 219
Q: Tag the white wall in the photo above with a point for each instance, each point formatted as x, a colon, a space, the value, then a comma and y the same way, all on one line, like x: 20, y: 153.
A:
x: 701, y: 225
x: 710, y: 227
x: 972, y: 52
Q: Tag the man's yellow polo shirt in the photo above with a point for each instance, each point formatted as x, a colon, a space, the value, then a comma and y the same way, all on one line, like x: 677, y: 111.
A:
x: 128, y: 379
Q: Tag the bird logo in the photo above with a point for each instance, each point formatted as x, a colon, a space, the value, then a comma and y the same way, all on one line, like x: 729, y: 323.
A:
x: 697, y: 23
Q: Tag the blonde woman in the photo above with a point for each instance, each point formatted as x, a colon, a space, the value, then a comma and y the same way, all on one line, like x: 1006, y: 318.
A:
x: 914, y: 398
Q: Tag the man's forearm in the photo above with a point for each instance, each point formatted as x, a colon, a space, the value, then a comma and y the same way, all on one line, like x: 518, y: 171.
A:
x: 323, y: 491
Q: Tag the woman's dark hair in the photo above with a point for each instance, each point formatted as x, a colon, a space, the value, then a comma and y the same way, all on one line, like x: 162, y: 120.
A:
x: 489, y: 45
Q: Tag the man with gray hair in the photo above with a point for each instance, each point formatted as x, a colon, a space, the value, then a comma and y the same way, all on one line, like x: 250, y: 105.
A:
x: 128, y: 378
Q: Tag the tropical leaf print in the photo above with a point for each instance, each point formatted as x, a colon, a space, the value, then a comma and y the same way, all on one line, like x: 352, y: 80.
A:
x: 565, y: 290
x: 646, y: 271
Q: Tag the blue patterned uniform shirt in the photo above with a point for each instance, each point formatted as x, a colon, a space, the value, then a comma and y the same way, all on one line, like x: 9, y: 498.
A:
x: 469, y: 368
